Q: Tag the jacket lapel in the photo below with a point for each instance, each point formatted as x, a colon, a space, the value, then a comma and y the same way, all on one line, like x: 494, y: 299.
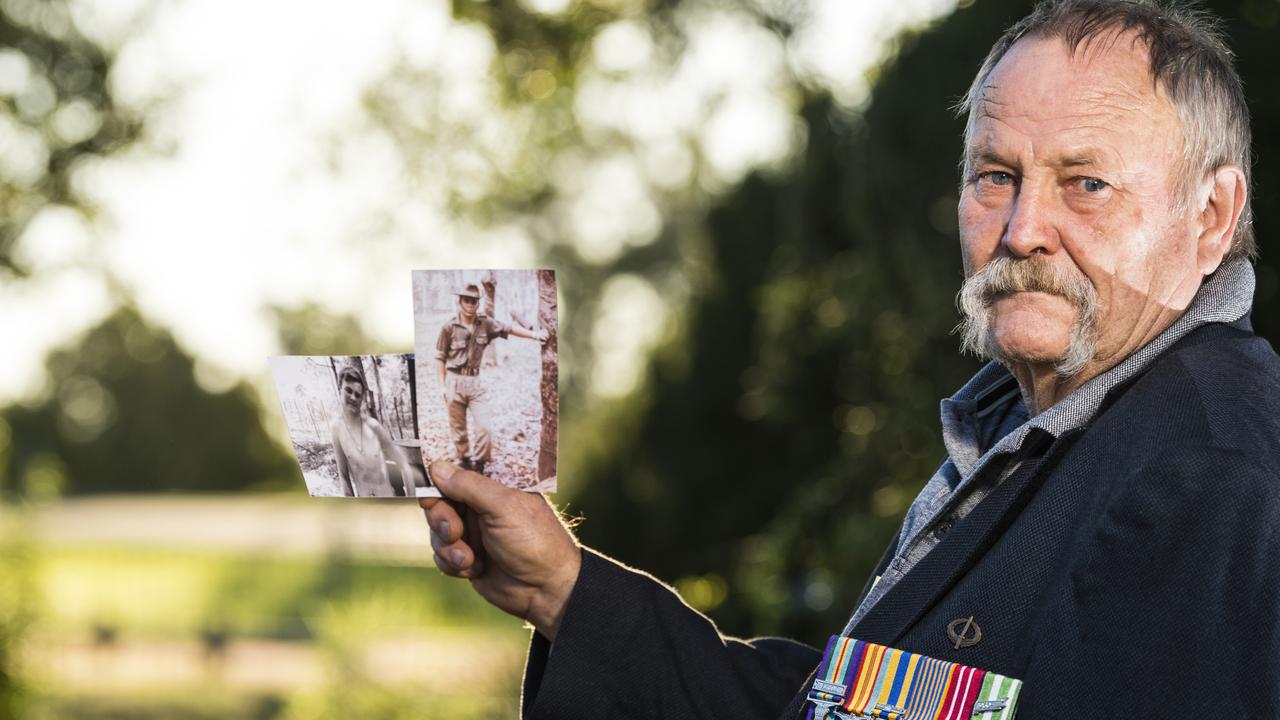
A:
x: 934, y: 575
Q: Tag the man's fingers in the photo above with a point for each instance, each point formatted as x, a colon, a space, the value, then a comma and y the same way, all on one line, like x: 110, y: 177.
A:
x: 474, y: 568
x: 443, y: 520
x: 456, y: 559
x: 451, y: 551
x: 457, y: 555
x: 445, y: 567
x: 482, y: 494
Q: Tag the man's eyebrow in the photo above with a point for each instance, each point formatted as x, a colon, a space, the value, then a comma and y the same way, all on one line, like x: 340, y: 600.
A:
x: 983, y: 155
x: 1078, y: 159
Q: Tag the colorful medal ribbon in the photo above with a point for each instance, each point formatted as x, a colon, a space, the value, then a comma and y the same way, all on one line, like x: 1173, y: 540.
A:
x: 863, y: 680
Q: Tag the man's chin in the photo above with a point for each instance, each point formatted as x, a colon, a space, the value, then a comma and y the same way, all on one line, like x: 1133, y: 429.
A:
x: 1027, y: 354
x: 1066, y: 362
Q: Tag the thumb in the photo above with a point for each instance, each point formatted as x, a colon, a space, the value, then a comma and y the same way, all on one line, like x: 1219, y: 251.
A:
x: 482, y: 494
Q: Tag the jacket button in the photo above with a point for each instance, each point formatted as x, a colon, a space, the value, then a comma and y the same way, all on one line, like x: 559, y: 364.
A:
x: 942, y: 528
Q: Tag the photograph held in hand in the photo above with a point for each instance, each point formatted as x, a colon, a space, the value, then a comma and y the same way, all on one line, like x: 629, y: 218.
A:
x: 488, y: 373
x: 352, y: 423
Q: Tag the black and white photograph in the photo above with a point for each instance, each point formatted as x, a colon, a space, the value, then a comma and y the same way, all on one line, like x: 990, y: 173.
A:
x: 352, y: 423
x: 487, y: 373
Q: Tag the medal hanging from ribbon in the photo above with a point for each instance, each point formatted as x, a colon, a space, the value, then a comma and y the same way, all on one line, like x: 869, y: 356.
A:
x: 863, y: 680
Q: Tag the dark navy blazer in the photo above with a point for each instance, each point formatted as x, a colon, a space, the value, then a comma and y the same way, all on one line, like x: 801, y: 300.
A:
x: 1129, y: 568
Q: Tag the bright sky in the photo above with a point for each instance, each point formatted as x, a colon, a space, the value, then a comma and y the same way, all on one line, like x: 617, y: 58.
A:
x: 234, y: 204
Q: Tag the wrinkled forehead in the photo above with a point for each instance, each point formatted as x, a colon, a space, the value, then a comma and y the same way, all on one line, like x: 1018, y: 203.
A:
x: 1103, y: 86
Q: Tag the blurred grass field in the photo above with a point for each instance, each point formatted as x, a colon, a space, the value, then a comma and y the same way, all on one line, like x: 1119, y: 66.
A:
x: 126, y: 624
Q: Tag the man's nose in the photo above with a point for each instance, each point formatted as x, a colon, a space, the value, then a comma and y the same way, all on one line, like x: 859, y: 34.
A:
x: 1030, y: 228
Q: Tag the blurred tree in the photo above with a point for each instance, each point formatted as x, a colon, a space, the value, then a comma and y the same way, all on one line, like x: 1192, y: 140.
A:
x: 561, y: 145
x: 310, y: 329
x: 56, y: 112
x: 124, y: 411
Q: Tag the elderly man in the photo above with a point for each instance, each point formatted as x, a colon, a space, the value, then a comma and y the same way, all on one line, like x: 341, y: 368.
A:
x: 459, y: 350
x: 1106, y: 526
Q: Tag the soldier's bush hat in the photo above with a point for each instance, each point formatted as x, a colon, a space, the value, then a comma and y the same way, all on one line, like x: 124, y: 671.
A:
x: 470, y: 290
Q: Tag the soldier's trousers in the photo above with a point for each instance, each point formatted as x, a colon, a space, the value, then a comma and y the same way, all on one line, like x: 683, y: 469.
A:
x: 463, y: 393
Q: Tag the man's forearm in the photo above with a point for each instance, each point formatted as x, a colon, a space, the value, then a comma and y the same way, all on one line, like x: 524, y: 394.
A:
x: 677, y: 659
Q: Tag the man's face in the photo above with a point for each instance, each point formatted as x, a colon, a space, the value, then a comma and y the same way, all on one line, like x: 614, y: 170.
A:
x: 352, y: 394
x: 468, y: 306
x: 1073, y: 166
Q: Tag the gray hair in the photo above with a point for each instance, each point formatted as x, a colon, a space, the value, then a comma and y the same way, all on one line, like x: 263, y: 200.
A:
x: 1190, y: 60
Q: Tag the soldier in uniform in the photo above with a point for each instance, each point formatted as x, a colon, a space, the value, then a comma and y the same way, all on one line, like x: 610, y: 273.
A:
x: 459, y: 350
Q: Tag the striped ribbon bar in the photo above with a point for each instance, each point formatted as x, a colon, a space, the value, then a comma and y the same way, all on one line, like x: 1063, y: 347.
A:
x: 864, y: 680
x: 829, y: 688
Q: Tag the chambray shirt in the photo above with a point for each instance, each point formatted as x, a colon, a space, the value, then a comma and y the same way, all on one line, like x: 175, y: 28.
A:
x: 985, y: 424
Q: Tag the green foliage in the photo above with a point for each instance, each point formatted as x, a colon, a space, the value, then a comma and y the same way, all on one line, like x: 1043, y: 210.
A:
x: 380, y: 634
x: 157, y: 593
x: 539, y: 65
x: 63, y: 116
x: 310, y: 329
x: 343, y: 629
x: 124, y: 410
x: 17, y: 612
x: 169, y: 705
x: 347, y: 699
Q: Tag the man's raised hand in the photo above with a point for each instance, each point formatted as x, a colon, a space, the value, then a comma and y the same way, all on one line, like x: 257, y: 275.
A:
x: 511, y: 545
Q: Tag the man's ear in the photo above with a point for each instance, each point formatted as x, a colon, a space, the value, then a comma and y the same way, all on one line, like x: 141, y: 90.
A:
x: 1219, y: 214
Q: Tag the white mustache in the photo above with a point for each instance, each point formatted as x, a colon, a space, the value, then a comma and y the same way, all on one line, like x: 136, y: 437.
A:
x: 1007, y: 275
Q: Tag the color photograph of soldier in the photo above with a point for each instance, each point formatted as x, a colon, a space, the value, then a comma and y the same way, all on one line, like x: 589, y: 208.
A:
x: 352, y: 423
x: 487, y: 379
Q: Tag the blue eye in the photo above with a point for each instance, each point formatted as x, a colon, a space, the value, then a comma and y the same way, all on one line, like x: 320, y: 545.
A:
x: 995, y: 177
x: 1092, y: 185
